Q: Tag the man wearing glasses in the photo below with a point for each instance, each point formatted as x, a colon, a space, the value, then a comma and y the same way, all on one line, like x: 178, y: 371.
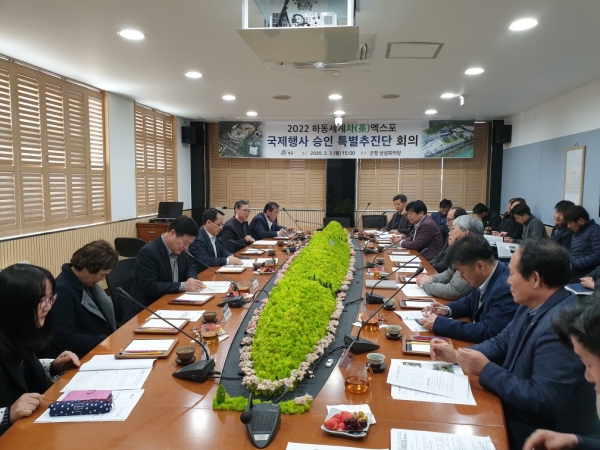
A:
x: 235, y: 234
x: 265, y: 225
x: 206, y: 247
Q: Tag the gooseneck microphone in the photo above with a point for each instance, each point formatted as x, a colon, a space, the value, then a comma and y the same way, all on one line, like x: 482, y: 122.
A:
x: 376, y: 298
x: 234, y: 302
x: 246, y: 416
x: 302, y: 235
x: 362, y: 346
x: 355, y: 230
x: 199, y: 371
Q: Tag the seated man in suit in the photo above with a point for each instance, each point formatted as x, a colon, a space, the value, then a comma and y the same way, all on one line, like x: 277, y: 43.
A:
x: 585, y: 244
x: 491, y: 219
x: 206, y: 247
x: 561, y: 233
x: 439, y: 261
x: 489, y: 305
x: 399, y: 224
x: 449, y: 284
x: 439, y: 217
x: 162, y: 266
x: 265, y: 225
x: 235, y: 231
x: 532, y: 226
x: 540, y: 382
x: 509, y: 227
x: 577, y: 327
x: 426, y: 233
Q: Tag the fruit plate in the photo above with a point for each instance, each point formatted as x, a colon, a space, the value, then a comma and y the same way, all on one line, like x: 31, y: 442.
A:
x: 349, y: 434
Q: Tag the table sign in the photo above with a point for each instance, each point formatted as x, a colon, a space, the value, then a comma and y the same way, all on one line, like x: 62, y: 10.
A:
x: 226, y: 313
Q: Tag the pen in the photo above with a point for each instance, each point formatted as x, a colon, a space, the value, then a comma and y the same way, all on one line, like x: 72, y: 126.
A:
x: 138, y: 353
x: 428, y: 338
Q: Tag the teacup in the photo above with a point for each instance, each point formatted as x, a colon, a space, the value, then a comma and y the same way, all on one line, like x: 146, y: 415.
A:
x: 209, y: 316
x: 394, y: 330
x: 376, y: 359
x: 185, y: 353
x: 271, y: 252
x: 380, y: 260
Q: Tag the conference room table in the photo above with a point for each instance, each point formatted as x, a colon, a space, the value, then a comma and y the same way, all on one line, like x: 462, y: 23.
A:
x: 178, y: 414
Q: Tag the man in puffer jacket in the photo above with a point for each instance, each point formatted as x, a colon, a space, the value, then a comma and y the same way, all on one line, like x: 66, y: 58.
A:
x: 585, y: 245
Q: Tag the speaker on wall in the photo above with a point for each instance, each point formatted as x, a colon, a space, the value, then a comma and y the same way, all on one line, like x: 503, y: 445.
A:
x: 502, y: 134
x: 188, y: 135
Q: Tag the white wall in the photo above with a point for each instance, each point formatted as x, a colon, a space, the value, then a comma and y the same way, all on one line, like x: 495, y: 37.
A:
x: 184, y: 174
x: 121, y: 145
x: 571, y: 113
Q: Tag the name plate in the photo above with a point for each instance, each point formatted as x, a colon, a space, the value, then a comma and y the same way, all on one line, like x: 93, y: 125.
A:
x: 226, y: 313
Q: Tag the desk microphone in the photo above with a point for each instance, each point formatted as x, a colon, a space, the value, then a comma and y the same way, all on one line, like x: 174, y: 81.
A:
x: 355, y: 230
x: 261, y: 420
x: 199, y: 371
x: 376, y: 298
x: 302, y: 235
x: 234, y: 302
x: 362, y: 346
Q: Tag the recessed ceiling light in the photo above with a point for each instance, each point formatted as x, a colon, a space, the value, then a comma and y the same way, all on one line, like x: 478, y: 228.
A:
x: 228, y: 97
x: 390, y: 96
x: 335, y: 97
x: 431, y: 111
x: 134, y: 35
x: 448, y: 95
x: 281, y: 97
x: 252, y: 113
x: 474, y: 71
x: 193, y: 75
x: 339, y: 112
x: 523, y: 24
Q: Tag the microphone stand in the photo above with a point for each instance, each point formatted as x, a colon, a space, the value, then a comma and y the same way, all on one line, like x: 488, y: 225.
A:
x: 194, y: 372
x: 355, y: 230
x: 302, y: 235
x: 376, y: 298
x: 356, y: 345
x: 234, y: 302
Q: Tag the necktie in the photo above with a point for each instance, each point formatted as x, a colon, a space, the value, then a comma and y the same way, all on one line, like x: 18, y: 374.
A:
x: 174, y: 267
x: 213, y: 241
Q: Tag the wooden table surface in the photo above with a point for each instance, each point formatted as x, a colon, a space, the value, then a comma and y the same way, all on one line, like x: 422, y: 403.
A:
x: 177, y: 414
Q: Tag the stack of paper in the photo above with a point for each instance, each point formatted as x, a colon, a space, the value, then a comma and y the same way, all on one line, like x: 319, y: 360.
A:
x: 193, y: 316
x: 426, y: 381
x: 265, y: 242
x: 409, y: 439
x: 215, y: 287
x: 413, y: 291
x: 506, y: 250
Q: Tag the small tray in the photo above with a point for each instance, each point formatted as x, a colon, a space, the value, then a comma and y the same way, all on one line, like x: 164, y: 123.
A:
x: 161, y: 354
x: 165, y: 329
x: 416, y: 303
x: 352, y: 435
x: 202, y: 299
x: 407, y: 344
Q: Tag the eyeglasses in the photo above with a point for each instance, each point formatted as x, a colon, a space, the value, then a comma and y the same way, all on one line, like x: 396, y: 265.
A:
x: 244, y: 210
x: 48, y: 301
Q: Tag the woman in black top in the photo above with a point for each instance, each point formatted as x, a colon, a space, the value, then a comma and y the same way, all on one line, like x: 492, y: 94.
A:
x: 509, y: 227
x: 26, y: 295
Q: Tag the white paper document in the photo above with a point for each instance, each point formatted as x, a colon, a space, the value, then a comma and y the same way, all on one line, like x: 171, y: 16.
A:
x: 410, y: 315
x: 354, y: 408
x: 253, y: 251
x: 232, y: 269
x: 109, y: 362
x: 296, y: 446
x: 417, y: 304
x: 265, y: 242
x: 194, y: 297
x: 193, y: 316
x: 413, y: 325
x: 413, y: 376
x: 506, y: 250
x: 413, y: 291
x: 149, y: 345
x: 112, y: 380
x: 262, y: 260
x: 490, y: 238
x: 160, y: 324
x: 417, y: 440
x: 123, y: 404
x: 403, y: 258
x: 215, y: 287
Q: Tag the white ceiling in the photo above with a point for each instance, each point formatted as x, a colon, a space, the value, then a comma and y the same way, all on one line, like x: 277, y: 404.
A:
x: 78, y: 39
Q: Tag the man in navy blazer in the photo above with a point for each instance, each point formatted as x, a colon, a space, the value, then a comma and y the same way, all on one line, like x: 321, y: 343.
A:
x: 541, y: 382
x: 489, y: 305
x: 265, y: 225
x: 235, y: 234
x: 426, y: 233
x: 206, y: 247
x: 162, y: 267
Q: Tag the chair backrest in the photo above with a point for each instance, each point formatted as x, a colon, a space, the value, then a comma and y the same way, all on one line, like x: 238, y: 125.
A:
x: 122, y: 276
x: 374, y: 221
x: 344, y: 221
x: 128, y: 247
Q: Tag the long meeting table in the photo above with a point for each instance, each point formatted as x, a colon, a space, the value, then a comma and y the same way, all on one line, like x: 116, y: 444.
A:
x: 177, y: 414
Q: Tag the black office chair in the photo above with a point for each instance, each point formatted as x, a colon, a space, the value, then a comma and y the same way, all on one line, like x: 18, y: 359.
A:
x: 374, y: 221
x: 128, y: 247
x: 121, y: 276
x: 344, y: 221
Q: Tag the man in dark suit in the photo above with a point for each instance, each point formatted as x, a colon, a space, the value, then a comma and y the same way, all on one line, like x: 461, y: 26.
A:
x: 426, y: 233
x: 235, y: 234
x: 439, y: 217
x: 491, y: 219
x: 206, y: 247
x: 439, y: 261
x: 399, y: 224
x: 489, y: 305
x: 162, y: 267
x: 265, y: 225
x: 540, y: 382
x: 561, y: 234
